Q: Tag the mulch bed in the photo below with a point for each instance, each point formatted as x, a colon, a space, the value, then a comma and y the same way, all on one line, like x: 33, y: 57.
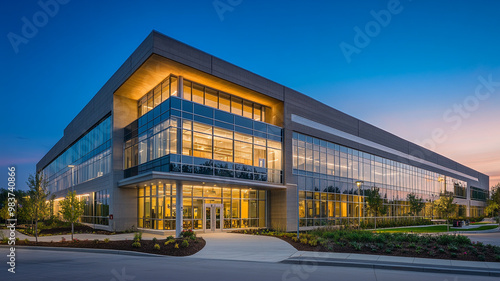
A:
x: 66, y: 230
x: 147, y: 246
x: 404, y: 251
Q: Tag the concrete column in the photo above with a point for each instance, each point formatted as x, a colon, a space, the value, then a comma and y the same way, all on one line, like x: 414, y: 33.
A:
x: 179, y: 209
x: 180, y: 87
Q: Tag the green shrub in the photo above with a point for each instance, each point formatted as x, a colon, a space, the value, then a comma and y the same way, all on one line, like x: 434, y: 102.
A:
x: 138, y: 236
x: 474, y: 251
x: 155, y: 240
x: 462, y: 240
x: 357, y: 246
x: 170, y: 238
x: 106, y: 240
x: 441, y: 250
x: 303, y: 241
x: 496, y: 250
x: 184, y: 244
x: 453, y: 255
x: 169, y: 242
x: 156, y: 247
x: 412, y: 245
x: 322, y: 241
x: 445, y: 239
x: 432, y: 253
x: 388, y: 250
x: 497, y: 257
x: 481, y: 257
x: 136, y: 244
x: 452, y: 248
x: 192, y: 238
x: 313, y: 242
x: 96, y: 241
x: 187, y: 233
x: 26, y: 240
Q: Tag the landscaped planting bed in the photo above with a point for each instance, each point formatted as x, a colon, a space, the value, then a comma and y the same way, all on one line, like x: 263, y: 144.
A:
x: 434, y: 229
x: 186, y: 246
x: 444, y: 246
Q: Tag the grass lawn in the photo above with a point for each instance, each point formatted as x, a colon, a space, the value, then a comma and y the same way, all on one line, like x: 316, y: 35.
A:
x: 432, y: 229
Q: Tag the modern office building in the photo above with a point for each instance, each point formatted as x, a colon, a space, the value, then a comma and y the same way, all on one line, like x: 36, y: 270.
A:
x: 178, y: 138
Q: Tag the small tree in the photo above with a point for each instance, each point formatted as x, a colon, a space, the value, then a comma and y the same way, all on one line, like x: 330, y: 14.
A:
x: 375, y: 203
x: 37, y: 196
x: 445, y: 206
x: 71, y: 209
x: 493, y: 206
x: 4, y: 212
x: 416, y: 204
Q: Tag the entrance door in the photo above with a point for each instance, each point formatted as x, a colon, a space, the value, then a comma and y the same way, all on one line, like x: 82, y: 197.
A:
x: 213, y: 217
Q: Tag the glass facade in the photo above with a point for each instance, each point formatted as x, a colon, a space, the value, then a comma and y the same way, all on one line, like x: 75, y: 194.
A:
x: 226, y: 102
x: 96, y: 210
x: 157, y: 95
x: 242, y: 207
x: 327, y: 173
x: 201, y: 94
x: 476, y: 211
x: 187, y: 137
x: 91, y: 156
x: 478, y: 194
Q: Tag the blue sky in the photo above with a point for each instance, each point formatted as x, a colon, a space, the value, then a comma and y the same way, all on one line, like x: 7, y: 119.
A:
x: 424, y: 61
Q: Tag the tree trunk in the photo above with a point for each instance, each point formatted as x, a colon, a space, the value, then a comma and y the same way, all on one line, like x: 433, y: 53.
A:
x: 375, y: 221
x: 36, y: 229
x: 72, y: 231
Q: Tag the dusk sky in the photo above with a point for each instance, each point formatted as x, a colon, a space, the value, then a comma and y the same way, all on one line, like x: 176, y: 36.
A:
x: 427, y: 71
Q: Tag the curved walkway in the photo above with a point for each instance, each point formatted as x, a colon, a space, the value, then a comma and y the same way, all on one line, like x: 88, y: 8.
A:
x: 234, y: 246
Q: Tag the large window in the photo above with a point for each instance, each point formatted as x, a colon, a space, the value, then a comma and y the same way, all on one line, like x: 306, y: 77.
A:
x: 96, y: 210
x: 223, y: 101
x: 478, y: 194
x: 91, y: 156
x: 157, y: 95
x: 242, y: 208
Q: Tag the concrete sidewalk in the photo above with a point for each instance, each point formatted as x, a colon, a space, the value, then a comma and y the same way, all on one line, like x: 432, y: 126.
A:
x: 395, y: 263
x: 242, y: 247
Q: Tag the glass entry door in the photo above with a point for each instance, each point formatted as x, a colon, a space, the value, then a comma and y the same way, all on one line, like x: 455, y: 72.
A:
x: 213, y: 217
